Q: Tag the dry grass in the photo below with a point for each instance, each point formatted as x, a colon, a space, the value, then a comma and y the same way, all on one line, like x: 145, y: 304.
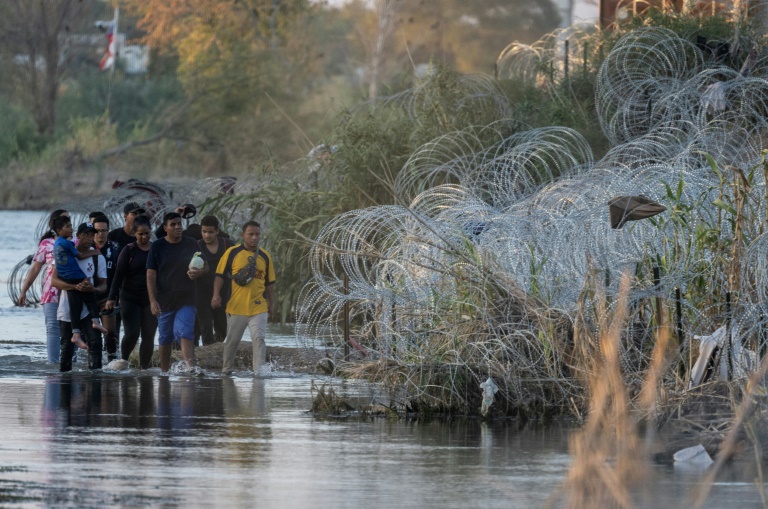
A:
x: 609, y: 457
x: 523, y: 345
x: 728, y: 446
x: 325, y: 401
x: 612, y: 452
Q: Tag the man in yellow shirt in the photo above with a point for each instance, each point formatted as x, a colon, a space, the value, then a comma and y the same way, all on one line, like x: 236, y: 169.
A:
x: 252, y: 298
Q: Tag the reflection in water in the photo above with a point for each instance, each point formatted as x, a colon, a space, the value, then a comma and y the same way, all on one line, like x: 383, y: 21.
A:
x: 101, y: 440
x: 150, y: 403
x: 158, y: 423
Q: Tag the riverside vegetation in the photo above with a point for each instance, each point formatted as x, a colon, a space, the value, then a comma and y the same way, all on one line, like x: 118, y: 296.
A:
x: 462, y: 227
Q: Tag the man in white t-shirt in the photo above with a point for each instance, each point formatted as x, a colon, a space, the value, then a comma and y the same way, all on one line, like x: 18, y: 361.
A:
x: 90, y: 266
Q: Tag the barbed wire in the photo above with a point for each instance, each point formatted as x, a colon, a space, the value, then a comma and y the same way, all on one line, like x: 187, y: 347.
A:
x: 486, y: 263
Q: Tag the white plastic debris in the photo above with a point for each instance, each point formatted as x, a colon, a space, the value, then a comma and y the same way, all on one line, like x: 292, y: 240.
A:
x: 696, y: 455
x: 197, y: 261
x: 713, y: 98
x: 489, y: 390
x: 715, y: 346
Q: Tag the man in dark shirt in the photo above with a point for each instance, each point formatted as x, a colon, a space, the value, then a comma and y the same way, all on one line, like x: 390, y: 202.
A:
x: 212, y: 322
x: 110, y: 249
x: 171, y: 286
x: 124, y: 236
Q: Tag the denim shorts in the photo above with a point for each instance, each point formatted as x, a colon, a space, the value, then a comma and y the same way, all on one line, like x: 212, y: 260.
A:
x: 175, y: 325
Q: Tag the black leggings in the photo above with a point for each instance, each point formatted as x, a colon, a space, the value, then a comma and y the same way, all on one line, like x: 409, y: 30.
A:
x: 92, y: 338
x: 137, y: 320
x: 209, y: 319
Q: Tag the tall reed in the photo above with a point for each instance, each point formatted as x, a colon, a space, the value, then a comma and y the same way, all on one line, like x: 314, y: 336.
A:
x: 610, y: 459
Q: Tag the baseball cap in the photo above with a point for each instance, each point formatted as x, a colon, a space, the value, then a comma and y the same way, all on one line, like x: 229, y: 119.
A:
x: 86, y: 228
x: 133, y: 207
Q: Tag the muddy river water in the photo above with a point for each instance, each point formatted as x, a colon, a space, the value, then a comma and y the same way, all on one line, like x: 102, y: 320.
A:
x: 136, y: 439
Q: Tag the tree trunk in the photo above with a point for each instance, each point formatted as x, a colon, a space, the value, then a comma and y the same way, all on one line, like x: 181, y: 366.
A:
x: 385, y: 10
x: 34, y: 31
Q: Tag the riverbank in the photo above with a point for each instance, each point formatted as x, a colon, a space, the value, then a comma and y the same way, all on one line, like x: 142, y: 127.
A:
x: 50, y: 184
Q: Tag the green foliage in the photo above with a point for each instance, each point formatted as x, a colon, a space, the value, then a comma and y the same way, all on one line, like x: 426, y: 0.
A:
x: 376, y: 143
x: 18, y: 136
x: 700, y: 234
x: 87, y: 137
x: 373, y: 148
x: 565, y: 103
x: 290, y: 215
x: 713, y: 28
x: 129, y: 100
x: 717, y: 27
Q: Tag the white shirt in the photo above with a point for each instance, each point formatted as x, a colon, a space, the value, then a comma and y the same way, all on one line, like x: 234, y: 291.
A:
x: 62, y: 314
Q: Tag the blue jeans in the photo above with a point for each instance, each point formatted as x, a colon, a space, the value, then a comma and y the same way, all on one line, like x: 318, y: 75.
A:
x: 52, y: 343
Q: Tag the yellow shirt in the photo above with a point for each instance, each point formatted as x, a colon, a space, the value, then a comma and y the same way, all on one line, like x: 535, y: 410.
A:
x: 250, y: 299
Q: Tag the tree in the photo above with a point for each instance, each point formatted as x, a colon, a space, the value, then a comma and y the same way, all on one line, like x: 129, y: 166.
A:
x: 34, y: 36
x: 467, y: 35
x: 236, y: 60
x: 385, y: 13
x: 224, y: 48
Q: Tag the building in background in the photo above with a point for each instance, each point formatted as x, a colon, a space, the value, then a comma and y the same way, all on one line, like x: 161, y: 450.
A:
x: 577, y: 11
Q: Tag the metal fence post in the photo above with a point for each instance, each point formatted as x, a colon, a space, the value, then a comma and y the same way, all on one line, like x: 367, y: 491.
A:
x: 346, y: 318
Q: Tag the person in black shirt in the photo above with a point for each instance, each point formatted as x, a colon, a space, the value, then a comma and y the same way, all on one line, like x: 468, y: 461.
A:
x: 171, y: 286
x: 129, y: 289
x: 124, y: 236
x: 212, y: 322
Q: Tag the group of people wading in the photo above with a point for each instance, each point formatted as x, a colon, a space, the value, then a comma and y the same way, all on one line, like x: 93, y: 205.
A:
x: 177, y: 287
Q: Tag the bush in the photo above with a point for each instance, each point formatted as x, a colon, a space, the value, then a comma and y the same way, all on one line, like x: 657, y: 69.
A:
x: 18, y: 136
x: 128, y: 100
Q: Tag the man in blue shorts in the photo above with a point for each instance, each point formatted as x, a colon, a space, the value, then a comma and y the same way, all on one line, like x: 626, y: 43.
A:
x: 171, y: 287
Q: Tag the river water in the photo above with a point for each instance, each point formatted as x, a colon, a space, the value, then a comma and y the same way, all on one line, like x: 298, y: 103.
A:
x: 135, y: 439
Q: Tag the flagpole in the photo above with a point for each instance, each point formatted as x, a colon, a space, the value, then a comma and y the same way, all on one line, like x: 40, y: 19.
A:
x: 114, y: 36
x: 115, y: 19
